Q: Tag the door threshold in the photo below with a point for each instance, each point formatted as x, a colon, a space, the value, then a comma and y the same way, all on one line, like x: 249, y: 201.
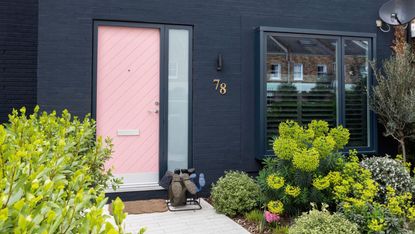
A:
x: 136, y: 188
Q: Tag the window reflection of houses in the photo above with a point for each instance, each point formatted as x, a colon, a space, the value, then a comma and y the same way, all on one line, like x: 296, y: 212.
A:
x: 321, y: 71
x: 275, y: 73
x: 356, y: 73
x: 306, y: 87
x: 173, y: 70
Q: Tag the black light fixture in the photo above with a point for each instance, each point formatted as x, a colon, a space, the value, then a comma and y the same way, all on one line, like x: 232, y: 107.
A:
x: 219, y: 62
x: 396, y: 12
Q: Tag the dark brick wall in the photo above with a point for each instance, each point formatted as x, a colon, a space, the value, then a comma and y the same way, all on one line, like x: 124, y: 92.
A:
x: 18, y: 54
x: 223, y: 126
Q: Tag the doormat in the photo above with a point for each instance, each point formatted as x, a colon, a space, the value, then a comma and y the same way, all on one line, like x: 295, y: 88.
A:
x: 144, y: 206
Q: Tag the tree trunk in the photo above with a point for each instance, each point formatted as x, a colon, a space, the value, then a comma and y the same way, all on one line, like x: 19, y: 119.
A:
x: 402, y: 143
x: 399, y: 40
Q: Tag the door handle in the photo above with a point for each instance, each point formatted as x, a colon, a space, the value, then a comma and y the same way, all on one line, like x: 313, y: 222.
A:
x: 153, y: 111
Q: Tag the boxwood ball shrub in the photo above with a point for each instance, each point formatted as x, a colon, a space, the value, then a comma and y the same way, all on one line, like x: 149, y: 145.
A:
x: 306, y: 164
x: 52, y: 176
x: 389, y: 172
x: 318, y: 222
x: 235, y: 193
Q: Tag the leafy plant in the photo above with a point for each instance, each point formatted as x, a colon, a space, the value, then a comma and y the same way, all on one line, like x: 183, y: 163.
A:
x: 255, y: 215
x: 373, y: 218
x: 316, y: 222
x: 280, y: 229
x: 389, y: 172
x: 119, y: 215
x: 235, y: 193
x: 393, y: 98
x: 305, y: 165
x: 52, y: 178
x: 358, y: 198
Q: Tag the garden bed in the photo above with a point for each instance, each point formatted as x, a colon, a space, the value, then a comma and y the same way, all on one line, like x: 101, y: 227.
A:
x: 255, y: 227
x: 319, y: 188
x: 250, y: 226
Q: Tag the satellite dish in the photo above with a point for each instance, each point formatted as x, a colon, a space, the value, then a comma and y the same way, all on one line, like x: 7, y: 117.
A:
x: 397, y: 12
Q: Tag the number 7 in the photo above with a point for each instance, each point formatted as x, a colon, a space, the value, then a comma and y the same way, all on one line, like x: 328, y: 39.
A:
x: 217, y: 82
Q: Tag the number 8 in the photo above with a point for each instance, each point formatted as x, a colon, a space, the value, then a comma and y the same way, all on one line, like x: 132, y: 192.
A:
x: 222, y: 88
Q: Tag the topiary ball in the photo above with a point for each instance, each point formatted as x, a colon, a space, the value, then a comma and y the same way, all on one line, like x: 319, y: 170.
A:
x: 235, y: 193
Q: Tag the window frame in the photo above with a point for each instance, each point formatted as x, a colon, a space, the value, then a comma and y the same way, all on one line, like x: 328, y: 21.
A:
x: 189, y: 29
x: 261, y: 70
x: 277, y: 76
x: 324, y: 66
x: 301, y: 72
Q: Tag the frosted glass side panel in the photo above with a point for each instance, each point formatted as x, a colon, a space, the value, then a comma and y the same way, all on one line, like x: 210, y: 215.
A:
x: 178, y: 95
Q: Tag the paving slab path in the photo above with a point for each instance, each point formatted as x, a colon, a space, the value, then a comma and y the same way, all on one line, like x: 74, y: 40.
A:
x: 204, y: 221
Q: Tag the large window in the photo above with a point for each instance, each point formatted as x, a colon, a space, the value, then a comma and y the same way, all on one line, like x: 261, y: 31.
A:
x: 309, y: 89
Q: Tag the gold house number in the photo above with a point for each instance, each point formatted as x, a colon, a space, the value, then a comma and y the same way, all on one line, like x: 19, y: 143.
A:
x: 220, y: 86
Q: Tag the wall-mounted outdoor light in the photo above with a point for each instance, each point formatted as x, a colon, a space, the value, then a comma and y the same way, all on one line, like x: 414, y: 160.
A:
x: 396, y: 12
x: 219, y: 62
x: 382, y: 27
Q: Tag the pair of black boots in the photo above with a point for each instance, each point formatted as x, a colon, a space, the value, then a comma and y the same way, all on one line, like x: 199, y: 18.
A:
x: 179, y: 184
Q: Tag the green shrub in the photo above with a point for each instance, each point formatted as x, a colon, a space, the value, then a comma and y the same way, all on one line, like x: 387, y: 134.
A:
x: 235, y: 193
x: 389, y: 172
x: 52, y: 176
x: 304, y: 168
x: 317, y: 222
x: 373, y: 218
x: 357, y: 194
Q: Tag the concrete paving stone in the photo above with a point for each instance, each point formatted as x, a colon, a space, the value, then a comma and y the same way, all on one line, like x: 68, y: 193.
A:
x: 157, y: 232
x: 196, y: 222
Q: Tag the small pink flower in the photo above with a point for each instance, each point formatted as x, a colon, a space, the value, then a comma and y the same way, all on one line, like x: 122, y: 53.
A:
x: 270, y: 217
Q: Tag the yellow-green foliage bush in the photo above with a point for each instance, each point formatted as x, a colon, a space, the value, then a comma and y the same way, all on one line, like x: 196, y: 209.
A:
x: 52, y: 176
x: 357, y: 194
x: 306, y: 164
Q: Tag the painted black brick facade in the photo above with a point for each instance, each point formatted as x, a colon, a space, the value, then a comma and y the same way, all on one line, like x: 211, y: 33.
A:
x: 18, y: 54
x: 223, y: 126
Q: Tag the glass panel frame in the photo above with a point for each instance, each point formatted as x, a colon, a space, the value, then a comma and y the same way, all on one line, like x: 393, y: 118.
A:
x: 178, y: 97
x: 369, y: 82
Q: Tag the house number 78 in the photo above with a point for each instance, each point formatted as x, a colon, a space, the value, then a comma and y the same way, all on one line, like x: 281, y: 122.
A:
x: 220, y: 85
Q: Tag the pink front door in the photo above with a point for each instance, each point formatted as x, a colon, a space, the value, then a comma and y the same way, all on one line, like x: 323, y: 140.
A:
x: 128, y: 90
